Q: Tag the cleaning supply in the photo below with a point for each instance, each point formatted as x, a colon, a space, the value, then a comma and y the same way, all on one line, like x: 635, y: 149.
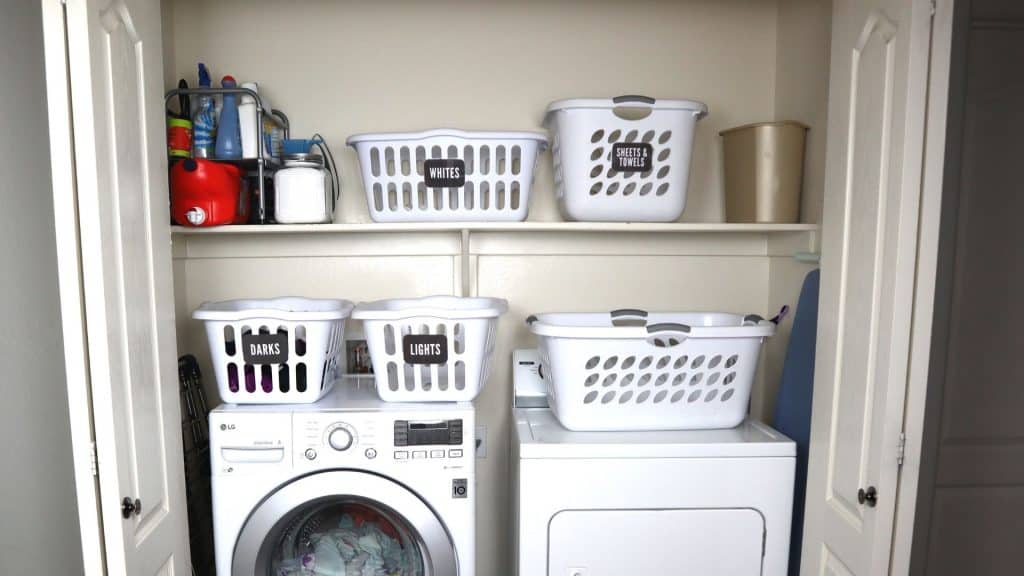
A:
x: 179, y: 127
x: 208, y: 193
x: 247, y: 120
x: 229, y: 138
x: 204, y: 123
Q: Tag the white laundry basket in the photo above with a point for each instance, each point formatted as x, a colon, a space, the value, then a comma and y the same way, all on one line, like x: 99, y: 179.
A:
x: 624, y: 159
x: 448, y: 175
x: 277, y: 351
x: 434, y: 349
x: 633, y: 370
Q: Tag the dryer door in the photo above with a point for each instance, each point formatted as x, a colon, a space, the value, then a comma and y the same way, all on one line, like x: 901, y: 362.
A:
x: 343, y: 522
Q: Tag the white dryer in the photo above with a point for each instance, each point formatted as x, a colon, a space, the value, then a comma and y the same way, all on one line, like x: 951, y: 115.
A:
x: 347, y: 482
x: 709, y: 502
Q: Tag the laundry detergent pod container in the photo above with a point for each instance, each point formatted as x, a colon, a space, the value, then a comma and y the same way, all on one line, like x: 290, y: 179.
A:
x: 624, y: 159
x: 276, y: 351
x: 634, y: 370
x: 433, y: 349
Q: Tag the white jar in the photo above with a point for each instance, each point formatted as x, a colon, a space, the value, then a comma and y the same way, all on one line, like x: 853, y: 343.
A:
x: 303, y: 191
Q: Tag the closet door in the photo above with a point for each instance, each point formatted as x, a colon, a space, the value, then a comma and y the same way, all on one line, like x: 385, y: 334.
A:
x: 115, y: 71
x: 877, y: 110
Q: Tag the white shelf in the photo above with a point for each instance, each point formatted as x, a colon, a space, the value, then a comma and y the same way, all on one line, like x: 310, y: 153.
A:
x: 364, y: 228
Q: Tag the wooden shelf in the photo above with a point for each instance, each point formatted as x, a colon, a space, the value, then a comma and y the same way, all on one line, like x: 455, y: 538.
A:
x: 368, y: 228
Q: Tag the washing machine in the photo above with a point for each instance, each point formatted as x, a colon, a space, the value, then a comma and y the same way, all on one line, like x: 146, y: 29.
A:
x: 347, y: 482
x: 709, y: 502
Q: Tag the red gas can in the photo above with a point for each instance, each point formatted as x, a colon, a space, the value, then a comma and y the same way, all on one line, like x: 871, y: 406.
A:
x: 208, y: 193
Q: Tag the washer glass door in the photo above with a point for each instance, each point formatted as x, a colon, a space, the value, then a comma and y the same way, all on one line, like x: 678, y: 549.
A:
x: 343, y: 522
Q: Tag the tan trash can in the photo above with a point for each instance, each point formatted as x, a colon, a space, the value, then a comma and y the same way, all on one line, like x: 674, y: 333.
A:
x: 764, y: 168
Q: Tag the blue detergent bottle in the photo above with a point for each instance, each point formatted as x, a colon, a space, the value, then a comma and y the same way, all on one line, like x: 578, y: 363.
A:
x: 229, y: 136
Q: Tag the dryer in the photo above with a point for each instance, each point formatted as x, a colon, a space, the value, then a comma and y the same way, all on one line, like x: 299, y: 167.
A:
x: 311, y: 487
x: 710, y: 502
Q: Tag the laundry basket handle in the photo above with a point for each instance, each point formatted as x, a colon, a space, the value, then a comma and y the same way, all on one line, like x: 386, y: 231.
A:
x: 633, y: 99
x: 628, y: 312
x: 628, y: 317
x: 752, y: 320
x: 667, y: 334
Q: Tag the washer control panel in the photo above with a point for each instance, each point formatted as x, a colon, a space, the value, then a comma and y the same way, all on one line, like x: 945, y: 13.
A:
x: 330, y: 439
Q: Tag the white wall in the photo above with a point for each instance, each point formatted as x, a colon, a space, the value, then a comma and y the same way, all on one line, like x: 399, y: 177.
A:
x: 39, y: 526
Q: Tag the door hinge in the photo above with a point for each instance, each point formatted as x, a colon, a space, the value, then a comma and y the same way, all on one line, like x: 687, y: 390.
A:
x: 934, y: 8
x: 92, y: 459
x: 901, y: 448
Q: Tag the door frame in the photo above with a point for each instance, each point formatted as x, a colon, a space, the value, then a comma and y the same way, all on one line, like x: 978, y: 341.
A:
x: 69, y: 274
x: 929, y: 231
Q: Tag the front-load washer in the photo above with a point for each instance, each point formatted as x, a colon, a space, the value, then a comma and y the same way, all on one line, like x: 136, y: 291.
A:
x: 349, y: 482
x: 709, y: 502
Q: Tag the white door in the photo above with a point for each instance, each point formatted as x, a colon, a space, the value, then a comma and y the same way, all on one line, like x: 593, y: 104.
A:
x: 115, y: 71
x: 877, y: 107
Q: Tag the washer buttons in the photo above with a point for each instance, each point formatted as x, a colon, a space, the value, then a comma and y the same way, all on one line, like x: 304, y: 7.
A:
x: 310, y: 454
x: 455, y: 453
x: 401, y: 455
x: 419, y: 454
x: 371, y: 453
x: 437, y: 453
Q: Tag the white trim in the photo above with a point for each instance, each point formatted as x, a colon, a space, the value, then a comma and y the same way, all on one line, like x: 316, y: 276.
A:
x: 62, y: 166
x: 924, y: 290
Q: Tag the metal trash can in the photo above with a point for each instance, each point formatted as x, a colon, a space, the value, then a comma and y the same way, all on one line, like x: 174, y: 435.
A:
x: 764, y: 167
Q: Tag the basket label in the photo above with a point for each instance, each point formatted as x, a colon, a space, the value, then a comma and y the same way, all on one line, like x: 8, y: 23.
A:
x: 265, y: 348
x: 425, y: 348
x: 444, y: 173
x: 632, y: 157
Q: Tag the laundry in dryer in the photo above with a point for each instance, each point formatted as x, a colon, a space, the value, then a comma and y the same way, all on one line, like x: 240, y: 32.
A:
x: 356, y: 546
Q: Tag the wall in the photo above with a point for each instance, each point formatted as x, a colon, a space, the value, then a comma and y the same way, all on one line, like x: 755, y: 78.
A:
x: 801, y: 87
x: 39, y: 531
x: 342, y: 68
x: 348, y: 67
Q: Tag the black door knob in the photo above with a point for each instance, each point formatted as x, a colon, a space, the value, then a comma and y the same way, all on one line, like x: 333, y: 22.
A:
x: 130, y: 507
x: 869, y: 496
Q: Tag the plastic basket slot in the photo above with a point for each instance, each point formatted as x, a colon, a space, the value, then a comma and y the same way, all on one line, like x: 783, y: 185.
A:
x: 660, y: 396
x: 233, y: 384
x: 677, y: 396
x: 229, y: 340
x: 460, y: 375
x: 515, y: 195
x: 596, y: 136
x: 378, y: 197
x: 728, y: 394
x: 485, y: 160
x: 469, y: 194
x: 405, y: 159
x: 389, y: 161
x: 648, y: 136
x: 469, y: 157
x: 643, y: 396
x: 665, y: 137
x: 393, y: 376
x: 421, y: 158
x: 485, y: 195
x: 300, y: 377
x: 499, y: 190
x: 409, y: 377
x: 375, y: 161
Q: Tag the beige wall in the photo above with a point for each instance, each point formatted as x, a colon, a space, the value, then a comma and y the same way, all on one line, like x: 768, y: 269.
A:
x: 38, y: 515
x: 801, y: 87
x: 346, y: 67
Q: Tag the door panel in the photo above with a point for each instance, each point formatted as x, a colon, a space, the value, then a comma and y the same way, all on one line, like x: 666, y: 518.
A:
x: 115, y: 70
x: 709, y: 542
x: 877, y: 107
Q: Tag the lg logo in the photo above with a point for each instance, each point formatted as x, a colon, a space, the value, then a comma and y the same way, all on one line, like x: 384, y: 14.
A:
x: 227, y: 427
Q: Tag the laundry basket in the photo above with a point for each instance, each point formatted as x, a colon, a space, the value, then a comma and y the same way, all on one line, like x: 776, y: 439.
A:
x: 448, y: 175
x: 278, y: 351
x: 634, y: 370
x: 433, y: 349
x: 624, y: 159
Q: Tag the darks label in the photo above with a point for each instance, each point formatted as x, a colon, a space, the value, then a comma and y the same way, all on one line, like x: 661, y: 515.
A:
x: 444, y: 173
x: 425, y: 348
x: 632, y: 157
x: 265, y: 348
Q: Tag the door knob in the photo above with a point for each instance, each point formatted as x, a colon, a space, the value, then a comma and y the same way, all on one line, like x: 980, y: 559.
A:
x: 130, y: 507
x: 869, y: 496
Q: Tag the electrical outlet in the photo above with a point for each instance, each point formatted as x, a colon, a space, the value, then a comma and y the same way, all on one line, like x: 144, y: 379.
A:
x: 481, y: 441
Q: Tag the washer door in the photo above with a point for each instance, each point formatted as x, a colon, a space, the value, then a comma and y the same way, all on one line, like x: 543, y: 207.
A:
x: 343, y: 521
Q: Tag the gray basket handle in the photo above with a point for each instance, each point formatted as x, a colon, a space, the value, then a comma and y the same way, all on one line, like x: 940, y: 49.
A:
x: 628, y: 317
x: 752, y: 320
x: 633, y: 99
x: 667, y: 334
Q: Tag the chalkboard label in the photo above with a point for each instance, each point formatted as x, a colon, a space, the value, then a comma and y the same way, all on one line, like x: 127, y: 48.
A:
x: 425, y: 348
x: 632, y: 157
x: 265, y: 348
x: 444, y: 173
